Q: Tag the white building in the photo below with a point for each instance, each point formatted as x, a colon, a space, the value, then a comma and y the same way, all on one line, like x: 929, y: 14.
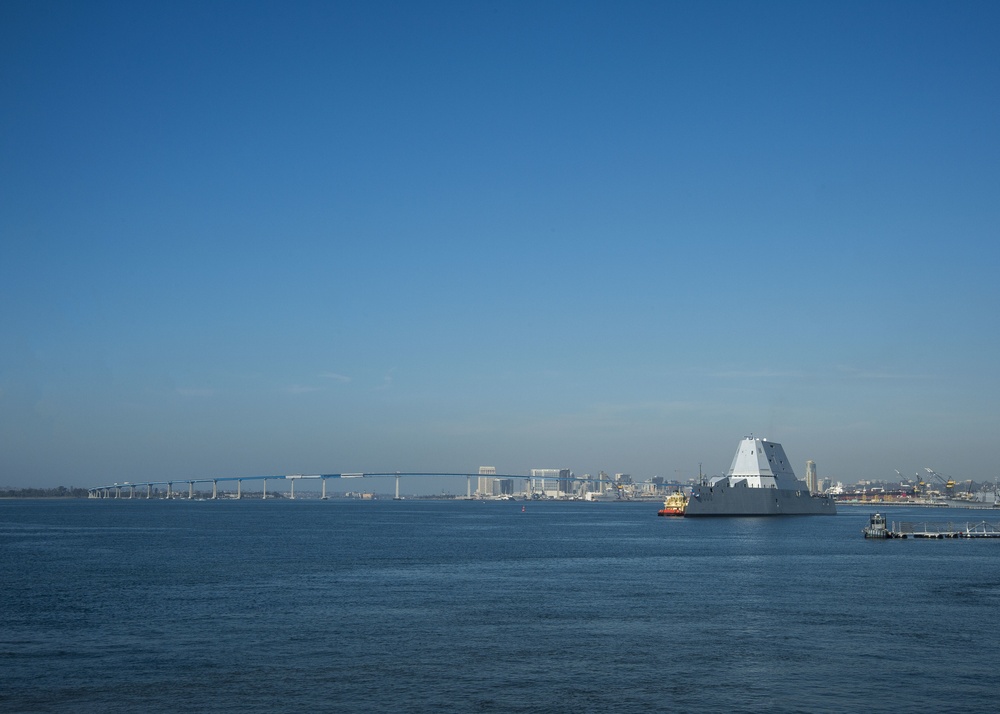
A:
x: 811, y: 481
x: 486, y: 486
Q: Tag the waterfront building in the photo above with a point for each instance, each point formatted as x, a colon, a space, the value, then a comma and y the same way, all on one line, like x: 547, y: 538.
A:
x: 486, y: 486
x: 556, y: 487
x: 811, y: 482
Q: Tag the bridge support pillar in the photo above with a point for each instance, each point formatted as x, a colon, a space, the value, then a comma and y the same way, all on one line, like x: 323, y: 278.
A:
x: 149, y: 491
x: 239, y: 489
x: 170, y: 487
x: 468, y: 487
x: 397, y: 487
x: 292, y: 494
x: 215, y: 489
x: 190, y: 490
x: 264, y: 497
x: 131, y: 491
x: 323, y: 497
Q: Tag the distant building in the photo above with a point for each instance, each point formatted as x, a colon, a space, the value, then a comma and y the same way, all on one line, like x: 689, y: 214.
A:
x: 811, y: 481
x: 551, y: 482
x: 486, y: 486
x: 623, y: 482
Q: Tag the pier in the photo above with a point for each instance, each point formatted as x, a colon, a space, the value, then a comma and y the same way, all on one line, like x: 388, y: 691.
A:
x: 909, y: 529
x: 926, y: 529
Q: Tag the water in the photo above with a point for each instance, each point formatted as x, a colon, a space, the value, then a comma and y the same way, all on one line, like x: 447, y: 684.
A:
x: 414, y: 606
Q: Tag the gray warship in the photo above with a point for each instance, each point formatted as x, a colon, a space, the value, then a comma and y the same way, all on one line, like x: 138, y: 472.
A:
x: 759, y: 483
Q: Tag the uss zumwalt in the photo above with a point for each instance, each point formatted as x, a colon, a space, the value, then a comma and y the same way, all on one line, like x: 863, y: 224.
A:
x: 759, y: 483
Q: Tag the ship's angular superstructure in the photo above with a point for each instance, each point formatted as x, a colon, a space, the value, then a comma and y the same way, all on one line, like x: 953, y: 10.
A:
x: 760, y: 482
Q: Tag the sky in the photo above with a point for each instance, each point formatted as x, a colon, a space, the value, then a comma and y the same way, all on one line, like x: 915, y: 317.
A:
x: 246, y: 238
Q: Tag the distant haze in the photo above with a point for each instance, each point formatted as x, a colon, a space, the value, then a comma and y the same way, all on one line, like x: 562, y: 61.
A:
x: 260, y: 238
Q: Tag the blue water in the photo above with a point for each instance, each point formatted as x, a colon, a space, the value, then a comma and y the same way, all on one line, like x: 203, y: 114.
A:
x: 342, y: 606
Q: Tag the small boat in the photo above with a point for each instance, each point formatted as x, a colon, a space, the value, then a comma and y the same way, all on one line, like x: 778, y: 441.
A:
x: 674, y: 505
x: 876, y: 527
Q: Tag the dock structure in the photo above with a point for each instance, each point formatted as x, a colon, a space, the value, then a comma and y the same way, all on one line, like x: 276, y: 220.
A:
x: 946, y: 530
x: 926, y: 529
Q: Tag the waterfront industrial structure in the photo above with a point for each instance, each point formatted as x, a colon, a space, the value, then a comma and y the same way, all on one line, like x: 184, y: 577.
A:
x: 877, y: 528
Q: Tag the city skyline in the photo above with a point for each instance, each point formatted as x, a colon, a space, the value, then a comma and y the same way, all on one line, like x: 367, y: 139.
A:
x: 340, y: 237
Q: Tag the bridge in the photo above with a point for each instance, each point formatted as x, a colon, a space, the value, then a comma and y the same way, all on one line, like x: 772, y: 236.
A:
x: 116, y: 490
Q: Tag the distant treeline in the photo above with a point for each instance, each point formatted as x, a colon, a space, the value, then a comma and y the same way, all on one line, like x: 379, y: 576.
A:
x: 60, y: 492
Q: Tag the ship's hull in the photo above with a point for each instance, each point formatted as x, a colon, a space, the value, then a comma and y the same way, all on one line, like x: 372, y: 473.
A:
x: 744, y: 501
x: 670, y: 512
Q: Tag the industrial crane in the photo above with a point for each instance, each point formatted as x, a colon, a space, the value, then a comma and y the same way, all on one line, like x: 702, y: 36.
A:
x: 949, y: 483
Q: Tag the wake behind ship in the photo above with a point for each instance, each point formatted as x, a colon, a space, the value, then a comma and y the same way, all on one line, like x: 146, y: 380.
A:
x: 759, y: 483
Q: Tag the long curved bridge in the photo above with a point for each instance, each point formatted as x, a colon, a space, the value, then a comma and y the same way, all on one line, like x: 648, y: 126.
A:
x: 117, y: 490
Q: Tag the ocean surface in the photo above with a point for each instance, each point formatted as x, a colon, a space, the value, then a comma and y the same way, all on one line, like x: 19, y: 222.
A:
x: 458, y: 606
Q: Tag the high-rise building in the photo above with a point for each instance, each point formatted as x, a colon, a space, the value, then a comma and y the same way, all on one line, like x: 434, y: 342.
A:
x: 558, y: 482
x: 486, y: 485
x: 811, y: 481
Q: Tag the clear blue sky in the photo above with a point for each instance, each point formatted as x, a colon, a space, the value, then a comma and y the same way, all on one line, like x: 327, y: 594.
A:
x: 249, y: 238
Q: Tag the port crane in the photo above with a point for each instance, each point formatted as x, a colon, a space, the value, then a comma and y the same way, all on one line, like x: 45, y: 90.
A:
x: 949, y: 483
x: 919, y: 484
x: 905, y: 483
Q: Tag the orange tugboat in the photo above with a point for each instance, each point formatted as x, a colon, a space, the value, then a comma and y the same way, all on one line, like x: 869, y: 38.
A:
x: 674, y: 505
